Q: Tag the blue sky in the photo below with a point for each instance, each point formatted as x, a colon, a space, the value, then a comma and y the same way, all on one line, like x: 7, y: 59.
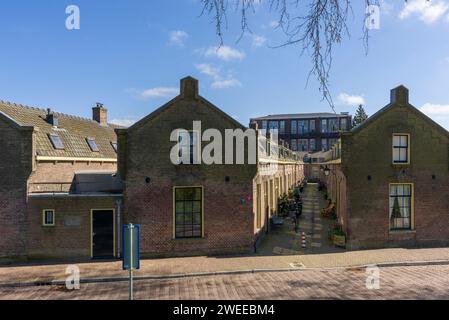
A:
x: 130, y: 56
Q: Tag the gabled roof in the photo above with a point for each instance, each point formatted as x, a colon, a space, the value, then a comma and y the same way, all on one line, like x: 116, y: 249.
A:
x: 399, y: 97
x: 72, y: 130
x: 186, y: 83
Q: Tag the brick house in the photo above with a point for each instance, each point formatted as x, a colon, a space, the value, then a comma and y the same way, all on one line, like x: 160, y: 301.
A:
x: 61, y: 196
x: 196, y: 208
x: 391, y: 179
x: 56, y: 182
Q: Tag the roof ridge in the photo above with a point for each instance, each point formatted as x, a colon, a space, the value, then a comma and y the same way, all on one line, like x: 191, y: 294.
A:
x: 13, y: 104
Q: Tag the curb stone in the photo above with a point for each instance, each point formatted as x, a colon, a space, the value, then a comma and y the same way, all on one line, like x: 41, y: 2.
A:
x: 218, y: 273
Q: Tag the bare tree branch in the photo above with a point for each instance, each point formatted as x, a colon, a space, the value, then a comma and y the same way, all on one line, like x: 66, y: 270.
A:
x: 315, y: 25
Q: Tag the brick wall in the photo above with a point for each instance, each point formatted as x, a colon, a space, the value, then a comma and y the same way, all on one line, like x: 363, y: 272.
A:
x: 367, y: 164
x: 228, y: 217
x: 15, y: 166
x: 70, y: 238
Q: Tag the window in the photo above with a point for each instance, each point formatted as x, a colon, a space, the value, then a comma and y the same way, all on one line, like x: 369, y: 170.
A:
x: 92, y: 145
x: 324, y: 126
x: 303, y: 126
x: 282, y: 127
x: 189, y: 147
x: 303, y: 145
x: 294, y: 127
x: 312, y: 126
x: 401, y: 148
x: 332, y: 142
x: 333, y: 125
x: 344, y: 124
x: 188, y: 212
x: 48, y: 218
x: 56, y: 142
x: 324, y: 145
x: 312, y: 145
x: 114, y: 146
x: 264, y: 124
x: 273, y: 125
x: 401, y: 206
x: 294, y: 145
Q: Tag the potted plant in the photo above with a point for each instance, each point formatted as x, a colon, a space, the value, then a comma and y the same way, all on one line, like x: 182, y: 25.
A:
x: 339, y: 237
x: 283, y: 206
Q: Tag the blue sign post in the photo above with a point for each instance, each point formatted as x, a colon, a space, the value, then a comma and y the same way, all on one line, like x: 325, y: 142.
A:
x: 131, y: 252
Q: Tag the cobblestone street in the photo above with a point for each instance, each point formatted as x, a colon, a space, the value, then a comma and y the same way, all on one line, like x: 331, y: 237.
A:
x: 423, y: 282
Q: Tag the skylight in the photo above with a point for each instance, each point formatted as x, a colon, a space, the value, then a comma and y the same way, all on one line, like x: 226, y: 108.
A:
x: 114, y: 145
x: 93, y: 146
x: 56, y: 141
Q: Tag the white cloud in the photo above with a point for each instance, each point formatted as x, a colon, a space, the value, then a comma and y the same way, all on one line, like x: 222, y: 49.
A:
x: 219, y: 82
x: 209, y: 70
x: 435, y: 109
x: 258, y: 41
x: 178, y: 38
x: 274, y: 24
x: 427, y: 11
x: 158, y: 92
x: 227, y: 83
x: 225, y: 53
x: 350, y: 100
x: 123, y: 122
x: 438, y: 112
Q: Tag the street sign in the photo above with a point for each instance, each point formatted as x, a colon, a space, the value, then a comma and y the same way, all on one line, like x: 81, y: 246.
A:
x: 131, y: 247
x: 131, y: 252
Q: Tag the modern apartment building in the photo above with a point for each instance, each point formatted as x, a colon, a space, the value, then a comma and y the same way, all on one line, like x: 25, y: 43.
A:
x: 309, y: 132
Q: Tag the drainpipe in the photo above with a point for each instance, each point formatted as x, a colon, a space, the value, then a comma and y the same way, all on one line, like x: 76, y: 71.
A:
x: 118, y: 205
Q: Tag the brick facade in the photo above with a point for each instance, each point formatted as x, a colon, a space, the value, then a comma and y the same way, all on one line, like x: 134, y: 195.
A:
x: 367, y: 170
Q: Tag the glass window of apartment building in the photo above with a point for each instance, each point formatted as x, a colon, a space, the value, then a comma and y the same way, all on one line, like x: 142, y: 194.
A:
x: 324, y: 126
x: 294, y: 126
x: 265, y: 124
x: 324, y: 145
x: 344, y: 124
x: 273, y: 125
x: 312, y: 126
x: 282, y: 127
x: 333, y: 125
x: 294, y: 145
x: 401, y: 206
x: 312, y: 145
x: 303, y: 145
x: 303, y: 126
x: 332, y: 142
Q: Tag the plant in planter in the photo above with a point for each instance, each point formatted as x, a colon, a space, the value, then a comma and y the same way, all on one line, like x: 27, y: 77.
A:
x: 283, y: 206
x: 339, y: 237
x: 290, y: 194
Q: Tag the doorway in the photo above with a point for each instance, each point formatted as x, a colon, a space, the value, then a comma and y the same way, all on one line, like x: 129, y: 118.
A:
x: 103, y: 235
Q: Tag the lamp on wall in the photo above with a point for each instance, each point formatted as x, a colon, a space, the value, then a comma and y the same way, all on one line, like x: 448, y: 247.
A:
x: 327, y: 171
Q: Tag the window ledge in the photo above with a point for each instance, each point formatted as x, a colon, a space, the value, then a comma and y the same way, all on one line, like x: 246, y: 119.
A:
x: 188, y: 239
x: 402, y: 231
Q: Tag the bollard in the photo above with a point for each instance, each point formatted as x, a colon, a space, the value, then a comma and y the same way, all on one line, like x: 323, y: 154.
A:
x: 303, y: 240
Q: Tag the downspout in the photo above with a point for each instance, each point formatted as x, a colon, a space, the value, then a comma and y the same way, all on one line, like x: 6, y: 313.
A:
x: 118, y: 205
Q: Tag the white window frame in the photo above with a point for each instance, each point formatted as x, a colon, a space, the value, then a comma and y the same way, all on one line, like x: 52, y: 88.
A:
x: 44, y: 222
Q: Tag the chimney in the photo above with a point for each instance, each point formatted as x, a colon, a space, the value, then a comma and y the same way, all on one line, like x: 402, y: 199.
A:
x: 189, y: 88
x: 51, y: 118
x: 100, y: 114
x: 399, y: 95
